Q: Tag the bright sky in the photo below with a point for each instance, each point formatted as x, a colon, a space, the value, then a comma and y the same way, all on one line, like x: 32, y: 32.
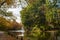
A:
x: 16, y: 13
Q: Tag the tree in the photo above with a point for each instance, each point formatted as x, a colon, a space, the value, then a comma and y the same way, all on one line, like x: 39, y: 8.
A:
x: 40, y: 14
x: 4, y: 24
x: 33, y: 14
x: 8, y: 2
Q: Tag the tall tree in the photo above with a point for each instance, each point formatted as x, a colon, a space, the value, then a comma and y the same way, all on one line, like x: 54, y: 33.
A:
x: 40, y: 14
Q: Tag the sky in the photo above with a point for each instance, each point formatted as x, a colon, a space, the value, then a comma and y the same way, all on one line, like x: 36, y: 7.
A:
x: 16, y: 13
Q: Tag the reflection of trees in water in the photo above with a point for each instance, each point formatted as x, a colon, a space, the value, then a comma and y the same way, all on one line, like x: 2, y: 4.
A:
x: 50, y: 35
x: 45, y: 36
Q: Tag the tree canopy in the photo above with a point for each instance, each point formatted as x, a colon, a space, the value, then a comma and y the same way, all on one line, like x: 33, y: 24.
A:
x: 42, y: 14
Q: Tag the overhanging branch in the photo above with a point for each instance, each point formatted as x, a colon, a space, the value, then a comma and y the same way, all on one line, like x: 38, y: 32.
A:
x: 2, y: 3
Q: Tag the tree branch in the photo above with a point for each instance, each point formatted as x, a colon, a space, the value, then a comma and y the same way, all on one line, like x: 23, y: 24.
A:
x: 2, y: 3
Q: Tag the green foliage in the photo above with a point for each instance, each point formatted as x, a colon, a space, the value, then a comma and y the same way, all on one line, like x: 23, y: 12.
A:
x: 44, y: 15
x: 35, y: 32
x: 31, y: 14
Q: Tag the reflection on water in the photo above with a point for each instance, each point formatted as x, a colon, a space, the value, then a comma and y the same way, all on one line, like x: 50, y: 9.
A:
x: 12, y: 34
x: 49, y: 35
